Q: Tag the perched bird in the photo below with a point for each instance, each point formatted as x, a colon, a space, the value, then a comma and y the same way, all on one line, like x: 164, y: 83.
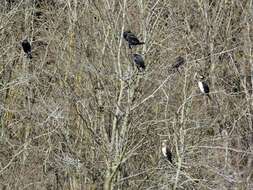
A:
x: 139, y: 62
x: 131, y: 39
x: 166, y: 151
x: 27, y: 48
x: 179, y: 62
x: 203, y: 86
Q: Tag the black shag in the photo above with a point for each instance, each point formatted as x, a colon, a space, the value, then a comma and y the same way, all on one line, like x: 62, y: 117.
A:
x: 179, y: 62
x: 139, y: 62
x: 203, y: 86
x: 166, y: 151
x: 27, y: 48
x: 131, y: 39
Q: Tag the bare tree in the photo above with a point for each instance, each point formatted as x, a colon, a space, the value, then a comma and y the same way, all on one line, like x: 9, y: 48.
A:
x: 79, y: 115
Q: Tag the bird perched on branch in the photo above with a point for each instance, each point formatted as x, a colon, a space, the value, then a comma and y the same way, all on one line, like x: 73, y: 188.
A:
x: 166, y: 151
x: 131, y: 39
x: 27, y: 48
x: 179, y: 62
x: 139, y: 62
x: 203, y: 86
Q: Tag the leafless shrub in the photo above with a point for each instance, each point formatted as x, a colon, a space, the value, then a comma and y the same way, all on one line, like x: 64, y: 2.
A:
x: 80, y: 116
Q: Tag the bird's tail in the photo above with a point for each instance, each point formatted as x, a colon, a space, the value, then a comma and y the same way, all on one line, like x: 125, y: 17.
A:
x: 141, y: 43
x: 29, y: 55
x: 141, y: 69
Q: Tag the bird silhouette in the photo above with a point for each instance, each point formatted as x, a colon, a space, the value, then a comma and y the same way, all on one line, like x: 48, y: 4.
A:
x: 166, y: 151
x: 27, y: 48
x: 139, y: 62
x: 203, y: 86
x: 131, y: 39
x: 179, y: 62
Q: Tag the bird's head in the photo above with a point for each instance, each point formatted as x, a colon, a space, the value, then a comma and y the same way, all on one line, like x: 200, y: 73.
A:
x: 198, y: 76
x: 201, y: 77
x: 125, y: 33
x: 25, y: 39
x: 164, y: 143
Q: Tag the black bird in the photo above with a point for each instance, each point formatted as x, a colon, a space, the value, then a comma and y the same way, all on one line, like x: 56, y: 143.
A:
x: 203, y: 86
x: 179, y: 62
x: 27, y: 48
x: 166, y: 151
x: 131, y: 39
x: 138, y: 60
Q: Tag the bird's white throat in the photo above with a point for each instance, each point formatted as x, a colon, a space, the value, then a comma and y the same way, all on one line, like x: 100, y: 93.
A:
x: 201, y: 87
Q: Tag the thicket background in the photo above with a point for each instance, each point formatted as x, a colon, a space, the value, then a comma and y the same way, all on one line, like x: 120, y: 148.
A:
x: 80, y: 116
